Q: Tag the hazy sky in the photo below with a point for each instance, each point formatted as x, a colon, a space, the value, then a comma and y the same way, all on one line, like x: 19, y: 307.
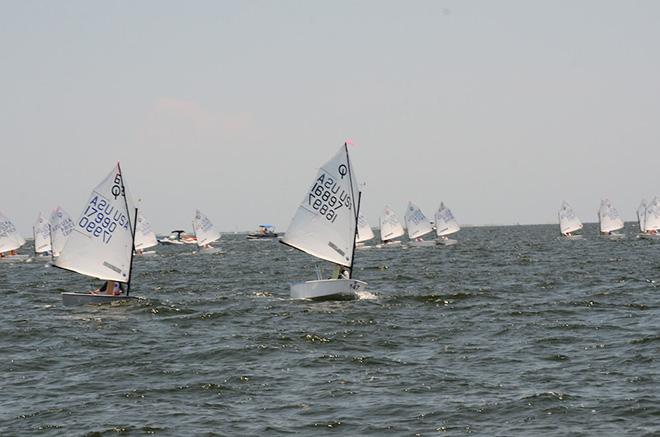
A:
x: 502, y: 109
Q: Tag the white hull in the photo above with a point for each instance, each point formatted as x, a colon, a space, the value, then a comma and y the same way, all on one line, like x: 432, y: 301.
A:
x: 146, y: 253
x: 14, y: 258
x: 572, y: 237
x: 421, y: 243
x: 446, y: 242
x: 649, y: 236
x: 173, y: 242
x: 396, y: 243
x: 73, y: 299
x: 328, y: 288
x: 363, y: 247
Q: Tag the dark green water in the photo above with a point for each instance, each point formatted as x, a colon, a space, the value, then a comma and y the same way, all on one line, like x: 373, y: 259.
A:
x: 511, y: 332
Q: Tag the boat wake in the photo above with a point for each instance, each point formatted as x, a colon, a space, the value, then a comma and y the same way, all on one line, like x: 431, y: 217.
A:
x: 366, y: 295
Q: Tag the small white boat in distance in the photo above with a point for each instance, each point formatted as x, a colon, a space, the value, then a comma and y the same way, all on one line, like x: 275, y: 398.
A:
x: 102, y: 242
x: 365, y: 233
x: 145, y: 237
x: 569, y: 223
x: 178, y: 237
x: 264, y: 232
x: 445, y: 225
x: 41, y: 232
x: 650, y: 220
x: 10, y: 240
x: 205, y: 233
x: 390, y: 228
x: 61, y: 227
x: 325, y: 226
x: 610, y: 221
x: 418, y: 226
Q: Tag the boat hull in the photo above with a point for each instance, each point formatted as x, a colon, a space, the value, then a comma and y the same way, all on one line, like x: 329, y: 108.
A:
x: 340, y: 289
x: 572, y: 237
x: 613, y: 237
x: 210, y: 251
x: 76, y: 299
x: 393, y: 244
x: 446, y: 242
x: 649, y: 236
x: 422, y: 243
x: 262, y: 237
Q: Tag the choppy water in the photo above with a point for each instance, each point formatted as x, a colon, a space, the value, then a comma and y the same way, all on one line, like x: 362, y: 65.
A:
x: 511, y: 332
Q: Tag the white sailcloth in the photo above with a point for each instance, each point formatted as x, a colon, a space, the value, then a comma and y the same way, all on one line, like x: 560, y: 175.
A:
x: 325, y: 223
x: 416, y: 222
x: 101, y: 244
x: 568, y: 221
x: 365, y: 233
x: 204, y: 230
x: 652, y: 218
x: 145, y: 237
x: 390, y: 226
x: 445, y: 223
x: 10, y: 239
x: 641, y: 216
x: 41, y: 231
x: 609, y: 217
x: 61, y: 227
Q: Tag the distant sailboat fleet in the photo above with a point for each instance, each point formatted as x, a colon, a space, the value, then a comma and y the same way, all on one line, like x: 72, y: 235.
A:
x: 328, y: 225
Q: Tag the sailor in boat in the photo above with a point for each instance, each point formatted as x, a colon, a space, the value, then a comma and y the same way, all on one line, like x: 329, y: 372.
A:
x: 10, y: 253
x: 340, y: 272
x: 112, y: 288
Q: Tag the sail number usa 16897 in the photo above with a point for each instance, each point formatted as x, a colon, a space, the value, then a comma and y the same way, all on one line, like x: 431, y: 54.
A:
x: 327, y: 197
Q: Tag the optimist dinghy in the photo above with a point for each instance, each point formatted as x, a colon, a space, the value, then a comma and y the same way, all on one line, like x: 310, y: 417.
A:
x: 650, y: 221
x: 102, y: 241
x: 569, y: 223
x: 41, y: 232
x: 145, y: 237
x: 205, y: 233
x: 418, y: 226
x: 390, y: 228
x: 365, y: 233
x: 609, y: 221
x: 61, y: 227
x: 445, y: 225
x: 325, y: 226
x: 10, y: 240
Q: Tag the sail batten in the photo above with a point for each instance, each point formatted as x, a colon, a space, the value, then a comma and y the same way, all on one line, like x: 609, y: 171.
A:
x: 101, y: 242
x: 417, y: 223
x: 324, y: 225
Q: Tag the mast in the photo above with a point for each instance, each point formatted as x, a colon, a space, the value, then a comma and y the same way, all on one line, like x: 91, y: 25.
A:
x: 132, y: 227
x: 356, y: 212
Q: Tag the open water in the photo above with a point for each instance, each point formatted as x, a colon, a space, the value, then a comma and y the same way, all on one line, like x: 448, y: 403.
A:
x: 511, y: 332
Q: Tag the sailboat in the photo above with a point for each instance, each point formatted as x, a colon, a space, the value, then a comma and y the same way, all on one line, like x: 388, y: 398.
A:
x: 418, y: 226
x: 61, y: 227
x: 145, y: 237
x: 610, y: 221
x: 41, y: 233
x: 390, y: 228
x: 568, y: 222
x: 651, y: 221
x: 102, y: 242
x: 365, y: 233
x: 445, y: 224
x: 325, y: 226
x: 641, y: 216
x: 205, y: 233
x: 10, y: 240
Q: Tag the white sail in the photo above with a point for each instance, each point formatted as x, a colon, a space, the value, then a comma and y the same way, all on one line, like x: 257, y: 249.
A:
x: 101, y: 244
x: 641, y: 216
x: 445, y: 223
x: 609, y: 217
x: 568, y: 221
x: 41, y: 231
x: 10, y: 239
x: 390, y: 226
x: 204, y: 230
x: 416, y: 222
x: 325, y: 223
x: 652, y: 217
x: 61, y: 227
x: 365, y: 233
x: 145, y: 237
